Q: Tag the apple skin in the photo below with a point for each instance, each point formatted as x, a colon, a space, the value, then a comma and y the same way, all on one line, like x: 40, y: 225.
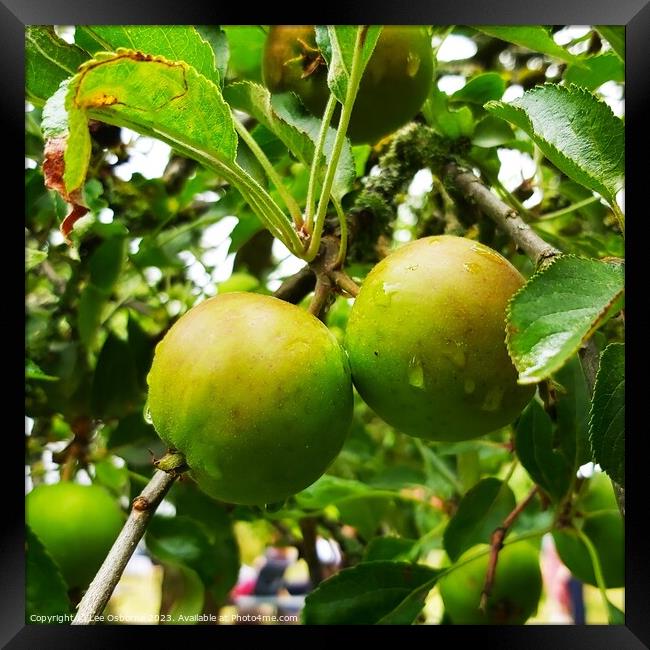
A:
x: 255, y: 392
x: 396, y: 82
x: 601, y: 521
x: 77, y: 525
x: 426, y: 340
x: 515, y: 593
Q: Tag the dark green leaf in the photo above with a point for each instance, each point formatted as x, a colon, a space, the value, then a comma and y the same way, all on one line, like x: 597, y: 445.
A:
x: 535, y: 449
x: 576, y: 131
x: 481, y: 510
x: 367, y: 593
x: 130, y: 430
x: 286, y: 117
x: 179, y: 540
x: 480, y: 89
x: 614, y: 615
x: 573, y: 400
x: 390, y: 548
x: 106, y: 263
x: 46, y: 593
x: 174, y: 42
x: 607, y: 422
x: 557, y: 310
x: 336, y: 42
x: 32, y: 371
x: 184, y: 540
x: 115, y: 390
x: 534, y: 37
x: 615, y: 36
x: 193, y: 503
x: 596, y: 70
x: 142, y: 348
x: 48, y: 61
x: 89, y: 314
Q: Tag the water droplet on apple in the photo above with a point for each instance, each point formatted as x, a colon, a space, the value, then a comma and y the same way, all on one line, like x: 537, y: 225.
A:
x: 493, y: 399
x: 416, y: 373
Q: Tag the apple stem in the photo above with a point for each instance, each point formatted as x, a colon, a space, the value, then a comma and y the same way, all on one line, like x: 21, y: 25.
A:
x: 143, y: 508
x: 320, y: 300
x: 496, y: 544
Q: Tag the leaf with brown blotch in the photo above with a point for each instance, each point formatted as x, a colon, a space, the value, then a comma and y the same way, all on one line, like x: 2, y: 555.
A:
x: 53, y: 170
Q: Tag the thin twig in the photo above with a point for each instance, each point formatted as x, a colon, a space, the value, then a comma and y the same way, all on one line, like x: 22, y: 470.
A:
x: 506, y: 218
x: 297, y: 286
x: 101, y: 588
x: 496, y: 544
x: 345, y: 282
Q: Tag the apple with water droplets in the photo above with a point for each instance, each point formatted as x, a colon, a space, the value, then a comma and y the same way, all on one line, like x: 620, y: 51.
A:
x: 426, y: 340
x: 255, y: 392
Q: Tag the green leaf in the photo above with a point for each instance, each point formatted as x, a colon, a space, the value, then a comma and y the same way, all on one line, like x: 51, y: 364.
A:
x: 576, y: 131
x: 557, y: 310
x: 480, y: 89
x: 130, y: 430
x: 106, y: 262
x: 213, y: 517
x: 48, y: 61
x: 187, y: 541
x: 113, y: 476
x: 481, y: 510
x: 115, y: 390
x: 451, y: 123
x: 189, y: 603
x: 607, y: 420
x: 390, y: 548
x: 492, y: 132
x: 89, y: 314
x: 572, y: 402
x: 596, y: 70
x: 46, y: 593
x: 246, y: 46
x: 179, y: 540
x: 614, y: 615
x: 218, y: 41
x: 167, y: 100
x: 615, y: 36
x: 535, y: 449
x: 32, y: 371
x: 336, y: 43
x: 365, y: 594
x: 33, y: 257
x: 174, y: 42
x: 328, y: 490
x: 298, y: 129
x: 533, y: 37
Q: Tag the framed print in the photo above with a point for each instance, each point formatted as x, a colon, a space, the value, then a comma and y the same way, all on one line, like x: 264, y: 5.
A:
x: 326, y: 325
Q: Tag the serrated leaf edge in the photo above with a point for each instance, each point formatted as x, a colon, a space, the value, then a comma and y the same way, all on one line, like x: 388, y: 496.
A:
x: 525, y: 378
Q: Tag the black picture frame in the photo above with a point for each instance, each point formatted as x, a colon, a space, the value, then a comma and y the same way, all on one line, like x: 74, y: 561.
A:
x: 634, y: 14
